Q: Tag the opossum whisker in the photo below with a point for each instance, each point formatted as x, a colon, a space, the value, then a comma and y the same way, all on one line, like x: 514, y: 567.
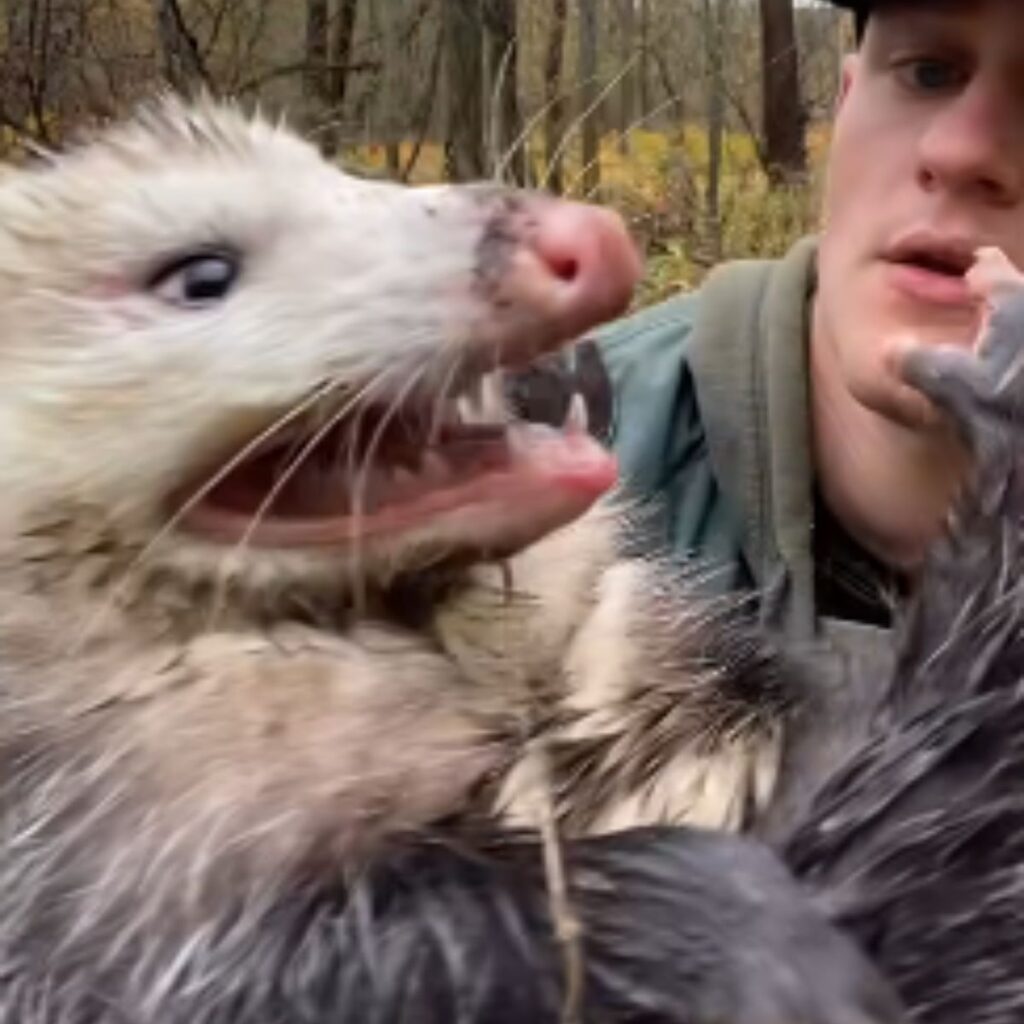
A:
x: 121, y: 584
x: 317, y: 415
x: 578, y: 121
x: 441, y: 397
x: 357, y: 399
x: 623, y: 135
x: 520, y: 141
x: 494, y: 120
x: 351, y: 445
x: 291, y: 467
x: 362, y: 476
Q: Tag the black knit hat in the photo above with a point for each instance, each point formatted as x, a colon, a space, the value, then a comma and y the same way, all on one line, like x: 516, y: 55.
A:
x: 860, y: 8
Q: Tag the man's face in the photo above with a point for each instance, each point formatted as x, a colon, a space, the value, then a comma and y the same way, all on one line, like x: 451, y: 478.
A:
x: 927, y: 164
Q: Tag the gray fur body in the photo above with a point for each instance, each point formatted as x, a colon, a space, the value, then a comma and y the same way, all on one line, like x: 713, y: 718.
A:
x: 914, y: 847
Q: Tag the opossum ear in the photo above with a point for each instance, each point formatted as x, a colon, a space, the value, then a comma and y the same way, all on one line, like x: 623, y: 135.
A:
x: 543, y: 392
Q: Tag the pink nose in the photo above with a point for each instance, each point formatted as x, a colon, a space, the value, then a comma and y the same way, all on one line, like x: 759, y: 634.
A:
x: 588, y: 260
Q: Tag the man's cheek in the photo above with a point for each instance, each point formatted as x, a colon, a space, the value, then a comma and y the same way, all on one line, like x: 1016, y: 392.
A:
x: 896, y: 399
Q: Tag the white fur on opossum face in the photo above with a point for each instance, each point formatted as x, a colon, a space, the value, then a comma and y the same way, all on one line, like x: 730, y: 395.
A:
x: 110, y: 394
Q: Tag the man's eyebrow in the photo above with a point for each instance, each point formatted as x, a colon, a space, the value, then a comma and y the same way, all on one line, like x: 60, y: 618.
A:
x: 939, y: 14
x: 934, y: 8
x: 909, y: 25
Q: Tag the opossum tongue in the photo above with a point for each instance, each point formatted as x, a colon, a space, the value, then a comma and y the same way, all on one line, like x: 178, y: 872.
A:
x: 497, y: 487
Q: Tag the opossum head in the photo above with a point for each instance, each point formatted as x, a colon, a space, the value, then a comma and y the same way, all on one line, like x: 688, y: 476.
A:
x: 224, y: 354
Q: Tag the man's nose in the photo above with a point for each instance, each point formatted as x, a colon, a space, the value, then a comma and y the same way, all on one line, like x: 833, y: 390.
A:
x: 975, y: 145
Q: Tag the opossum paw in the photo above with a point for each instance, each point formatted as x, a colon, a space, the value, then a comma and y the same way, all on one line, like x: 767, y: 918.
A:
x: 981, y: 389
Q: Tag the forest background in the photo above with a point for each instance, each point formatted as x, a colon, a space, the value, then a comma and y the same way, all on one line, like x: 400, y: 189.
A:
x: 704, y: 122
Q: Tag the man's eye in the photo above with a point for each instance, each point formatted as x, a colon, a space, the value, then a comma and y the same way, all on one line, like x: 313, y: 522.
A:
x: 931, y: 74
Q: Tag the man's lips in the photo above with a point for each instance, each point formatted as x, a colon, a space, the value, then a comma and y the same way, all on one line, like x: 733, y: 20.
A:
x: 931, y: 269
x: 924, y: 285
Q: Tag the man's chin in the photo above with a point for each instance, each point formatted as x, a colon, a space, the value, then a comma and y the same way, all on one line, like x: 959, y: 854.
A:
x: 885, y: 392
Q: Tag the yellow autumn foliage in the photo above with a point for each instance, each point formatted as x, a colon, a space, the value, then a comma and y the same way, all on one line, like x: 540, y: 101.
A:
x: 659, y: 182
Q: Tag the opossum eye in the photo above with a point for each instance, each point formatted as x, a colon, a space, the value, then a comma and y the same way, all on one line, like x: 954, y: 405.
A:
x: 197, y: 280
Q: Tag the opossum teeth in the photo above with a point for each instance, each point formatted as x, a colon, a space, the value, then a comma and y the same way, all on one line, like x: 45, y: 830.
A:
x: 483, y: 402
x: 522, y: 438
x: 464, y: 409
x: 576, y: 415
x: 477, y: 391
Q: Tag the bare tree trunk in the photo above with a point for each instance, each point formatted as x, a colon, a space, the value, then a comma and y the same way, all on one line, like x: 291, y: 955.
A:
x: 714, y: 35
x: 28, y: 68
x: 463, y: 51
x: 783, y: 118
x: 336, y: 75
x: 503, y: 61
x: 422, y: 115
x: 591, y: 171
x: 673, y: 92
x: 554, y: 102
x: 316, y: 49
x: 341, y: 49
x: 387, y: 30
x: 645, y: 58
x: 405, y: 112
x: 627, y: 83
x: 183, y: 63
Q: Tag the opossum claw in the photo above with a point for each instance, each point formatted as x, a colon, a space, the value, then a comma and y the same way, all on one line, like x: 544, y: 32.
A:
x: 981, y: 390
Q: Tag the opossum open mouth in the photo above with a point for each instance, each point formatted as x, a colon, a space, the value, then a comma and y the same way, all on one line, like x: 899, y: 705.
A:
x: 383, y: 471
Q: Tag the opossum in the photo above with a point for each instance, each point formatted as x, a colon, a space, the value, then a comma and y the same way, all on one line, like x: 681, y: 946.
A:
x: 914, y: 847
x: 299, y: 627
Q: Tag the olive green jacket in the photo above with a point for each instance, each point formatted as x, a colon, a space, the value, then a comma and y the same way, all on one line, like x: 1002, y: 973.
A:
x: 711, y: 419
x: 712, y: 422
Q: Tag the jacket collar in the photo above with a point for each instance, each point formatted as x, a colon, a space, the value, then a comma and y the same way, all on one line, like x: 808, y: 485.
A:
x: 749, y: 359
